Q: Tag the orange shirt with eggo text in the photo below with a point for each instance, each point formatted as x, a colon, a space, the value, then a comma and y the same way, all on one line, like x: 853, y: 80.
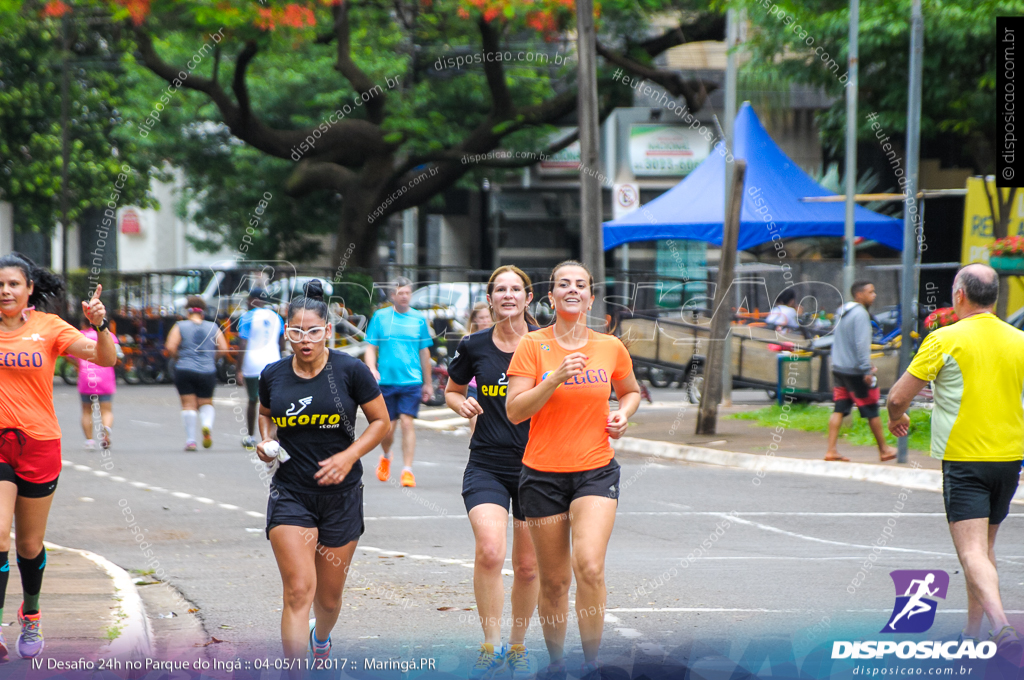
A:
x: 568, y: 433
x: 27, y: 358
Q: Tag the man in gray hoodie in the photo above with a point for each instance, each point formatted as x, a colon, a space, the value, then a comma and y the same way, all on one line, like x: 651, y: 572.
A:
x: 853, y: 377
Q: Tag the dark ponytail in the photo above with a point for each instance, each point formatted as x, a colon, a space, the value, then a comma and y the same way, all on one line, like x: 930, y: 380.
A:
x: 312, y: 299
x: 49, y: 293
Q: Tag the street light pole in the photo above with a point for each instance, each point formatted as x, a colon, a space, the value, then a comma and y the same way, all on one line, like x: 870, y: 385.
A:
x: 911, y: 212
x: 849, y: 269
x: 591, y: 236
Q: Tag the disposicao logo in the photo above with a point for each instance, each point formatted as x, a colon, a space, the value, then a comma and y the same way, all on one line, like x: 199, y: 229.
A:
x: 914, y: 612
x: 916, y: 586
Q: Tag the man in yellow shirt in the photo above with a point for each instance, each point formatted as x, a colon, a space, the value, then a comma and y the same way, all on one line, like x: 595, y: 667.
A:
x: 976, y: 367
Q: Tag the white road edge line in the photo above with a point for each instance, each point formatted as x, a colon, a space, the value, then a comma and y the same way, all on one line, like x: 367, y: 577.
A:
x: 135, y: 640
x: 926, y: 480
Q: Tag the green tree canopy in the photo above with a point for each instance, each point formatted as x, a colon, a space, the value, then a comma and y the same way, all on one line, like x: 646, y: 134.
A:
x: 31, y: 58
x: 345, y: 108
x: 789, y: 38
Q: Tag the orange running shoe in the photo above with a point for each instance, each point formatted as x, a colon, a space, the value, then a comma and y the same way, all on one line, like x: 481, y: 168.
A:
x: 407, y: 478
x: 384, y: 469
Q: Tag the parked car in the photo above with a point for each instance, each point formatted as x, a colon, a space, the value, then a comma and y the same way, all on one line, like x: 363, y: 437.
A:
x: 449, y: 302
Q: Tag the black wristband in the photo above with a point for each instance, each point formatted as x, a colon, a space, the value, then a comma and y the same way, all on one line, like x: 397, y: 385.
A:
x: 103, y: 326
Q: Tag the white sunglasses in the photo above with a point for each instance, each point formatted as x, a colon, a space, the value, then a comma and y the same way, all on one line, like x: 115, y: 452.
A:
x: 296, y: 334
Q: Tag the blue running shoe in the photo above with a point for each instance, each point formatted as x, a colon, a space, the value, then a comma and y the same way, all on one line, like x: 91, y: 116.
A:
x: 488, y: 663
x: 320, y: 651
x: 520, y: 664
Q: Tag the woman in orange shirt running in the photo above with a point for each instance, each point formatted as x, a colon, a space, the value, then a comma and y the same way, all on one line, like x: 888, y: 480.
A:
x: 30, y: 462
x: 561, y: 378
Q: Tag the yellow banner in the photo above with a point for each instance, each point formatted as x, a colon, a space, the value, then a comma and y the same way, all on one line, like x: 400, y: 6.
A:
x: 978, y: 230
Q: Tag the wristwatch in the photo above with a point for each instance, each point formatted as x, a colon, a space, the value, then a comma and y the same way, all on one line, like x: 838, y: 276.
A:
x: 103, y: 326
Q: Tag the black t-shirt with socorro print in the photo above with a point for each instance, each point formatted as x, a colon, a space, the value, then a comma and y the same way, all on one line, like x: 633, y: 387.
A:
x: 497, y: 443
x: 316, y: 417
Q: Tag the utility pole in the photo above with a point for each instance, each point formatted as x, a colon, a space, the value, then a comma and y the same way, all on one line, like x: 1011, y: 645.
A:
x: 65, y: 149
x: 732, y: 30
x: 849, y: 269
x: 591, y: 235
x: 908, y: 290
x: 721, y: 318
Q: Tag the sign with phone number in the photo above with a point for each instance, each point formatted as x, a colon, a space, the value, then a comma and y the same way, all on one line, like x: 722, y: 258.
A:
x: 666, y: 150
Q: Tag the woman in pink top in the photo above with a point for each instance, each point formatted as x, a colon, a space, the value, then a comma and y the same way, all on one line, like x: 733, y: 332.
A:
x: 96, y: 386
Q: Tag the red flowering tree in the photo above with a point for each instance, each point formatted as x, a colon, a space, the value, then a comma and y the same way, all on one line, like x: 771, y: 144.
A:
x: 414, y: 88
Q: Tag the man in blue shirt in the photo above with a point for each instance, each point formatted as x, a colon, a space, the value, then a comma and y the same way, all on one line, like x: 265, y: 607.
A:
x: 399, y: 357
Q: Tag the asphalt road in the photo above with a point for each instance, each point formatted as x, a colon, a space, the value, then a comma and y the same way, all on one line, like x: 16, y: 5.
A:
x: 783, y: 552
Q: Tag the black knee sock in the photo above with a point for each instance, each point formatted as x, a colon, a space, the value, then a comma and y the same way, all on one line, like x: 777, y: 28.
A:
x: 5, y: 575
x: 32, y: 580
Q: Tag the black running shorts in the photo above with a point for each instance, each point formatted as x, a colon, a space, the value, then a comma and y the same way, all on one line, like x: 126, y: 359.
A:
x: 976, y: 489
x: 481, y: 485
x: 27, y: 489
x: 193, y: 382
x: 543, y: 494
x: 338, y: 517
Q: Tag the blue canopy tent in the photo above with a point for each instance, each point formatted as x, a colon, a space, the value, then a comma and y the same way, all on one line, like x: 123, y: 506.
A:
x: 694, y: 209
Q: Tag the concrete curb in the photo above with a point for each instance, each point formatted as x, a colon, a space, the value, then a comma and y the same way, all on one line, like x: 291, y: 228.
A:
x: 136, y: 638
x: 926, y: 480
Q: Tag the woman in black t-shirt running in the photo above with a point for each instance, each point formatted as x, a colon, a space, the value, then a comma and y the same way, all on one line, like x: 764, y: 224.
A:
x: 315, y: 510
x: 491, y: 481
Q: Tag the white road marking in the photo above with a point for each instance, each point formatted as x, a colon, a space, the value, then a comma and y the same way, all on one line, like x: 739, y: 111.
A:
x: 714, y: 610
x: 408, y: 517
x: 813, y: 539
x: 146, y: 422
x: 159, y: 489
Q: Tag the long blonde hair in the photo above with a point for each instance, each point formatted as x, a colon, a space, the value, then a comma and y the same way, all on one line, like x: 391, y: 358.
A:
x: 472, y: 326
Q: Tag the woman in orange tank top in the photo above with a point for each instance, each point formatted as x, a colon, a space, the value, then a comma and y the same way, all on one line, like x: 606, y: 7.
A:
x: 30, y: 462
x: 561, y: 378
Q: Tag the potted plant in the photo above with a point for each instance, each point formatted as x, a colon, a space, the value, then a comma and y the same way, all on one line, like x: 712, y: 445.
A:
x: 1006, y: 255
x: 943, y: 316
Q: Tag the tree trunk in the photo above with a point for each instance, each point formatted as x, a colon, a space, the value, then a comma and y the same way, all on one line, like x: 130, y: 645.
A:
x: 356, y: 242
x: 1004, y: 296
x: 363, y: 213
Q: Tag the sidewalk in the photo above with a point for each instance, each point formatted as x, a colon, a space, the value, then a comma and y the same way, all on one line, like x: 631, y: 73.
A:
x: 656, y: 422
x: 666, y: 430
x: 83, y: 608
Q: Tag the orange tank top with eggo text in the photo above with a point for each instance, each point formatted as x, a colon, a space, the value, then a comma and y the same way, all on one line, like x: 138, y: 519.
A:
x: 27, y: 358
x: 568, y: 433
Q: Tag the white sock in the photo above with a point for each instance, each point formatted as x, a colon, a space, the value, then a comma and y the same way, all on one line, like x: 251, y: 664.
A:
x: 206, y: 413
x: 188, y: 419
x: 406, y: 468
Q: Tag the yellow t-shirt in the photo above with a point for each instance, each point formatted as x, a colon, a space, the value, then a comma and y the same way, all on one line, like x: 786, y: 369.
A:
x: 976, y: 367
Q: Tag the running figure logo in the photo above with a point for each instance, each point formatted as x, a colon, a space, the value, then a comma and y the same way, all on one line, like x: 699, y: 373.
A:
x: 913, y: 611
x: 305, y: 401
